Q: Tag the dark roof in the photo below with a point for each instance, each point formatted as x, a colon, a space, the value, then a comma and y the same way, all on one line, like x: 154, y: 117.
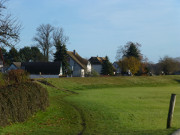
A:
x: 43, y: 67
x: 97, y: 60
x: 76, y: 57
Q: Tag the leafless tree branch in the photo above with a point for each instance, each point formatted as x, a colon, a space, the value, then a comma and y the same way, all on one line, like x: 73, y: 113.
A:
x: 43, y: 38
x: 9, y: 28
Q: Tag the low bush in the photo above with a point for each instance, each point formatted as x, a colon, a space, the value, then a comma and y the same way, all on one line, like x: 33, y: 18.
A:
x: 92, y: 74
x: 2, y: 82
x: 17, y: 76
x: 18, y: 102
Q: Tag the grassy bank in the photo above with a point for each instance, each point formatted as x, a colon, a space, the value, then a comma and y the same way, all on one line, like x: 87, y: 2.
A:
x: 109, y: 105
x: 108, y: 82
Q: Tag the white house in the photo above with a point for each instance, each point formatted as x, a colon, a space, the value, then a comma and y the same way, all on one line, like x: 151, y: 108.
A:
x: 96, y: 63
x: 78, y: 65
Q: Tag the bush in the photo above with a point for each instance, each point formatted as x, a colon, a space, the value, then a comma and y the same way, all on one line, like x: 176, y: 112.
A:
x: 93, y: 73
x: 16, y: 76
x: 18, y: 102
x: 2, y: 83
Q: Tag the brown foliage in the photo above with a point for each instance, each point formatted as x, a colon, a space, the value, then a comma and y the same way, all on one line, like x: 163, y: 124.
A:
x: 130, y: 63
x: 18, y: 102
x: 169, y: 65
x: 17, y: 76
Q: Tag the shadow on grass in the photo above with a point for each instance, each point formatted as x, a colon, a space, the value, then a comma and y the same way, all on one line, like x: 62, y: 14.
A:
x: 177, y: 80
x: 150, y: 132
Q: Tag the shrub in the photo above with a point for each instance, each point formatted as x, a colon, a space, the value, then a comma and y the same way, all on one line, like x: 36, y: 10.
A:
x: 2, y: 83
x: 18, y: 102
x: 93, y: 73
x: 17, y: 76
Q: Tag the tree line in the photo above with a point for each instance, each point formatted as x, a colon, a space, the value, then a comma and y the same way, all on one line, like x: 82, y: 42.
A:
x: 129, y: 58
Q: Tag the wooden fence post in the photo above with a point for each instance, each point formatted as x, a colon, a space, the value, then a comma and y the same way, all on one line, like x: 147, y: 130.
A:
x: 171, y: 110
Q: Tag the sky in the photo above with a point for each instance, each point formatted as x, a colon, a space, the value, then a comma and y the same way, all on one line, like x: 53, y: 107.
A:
x: 99, y: 27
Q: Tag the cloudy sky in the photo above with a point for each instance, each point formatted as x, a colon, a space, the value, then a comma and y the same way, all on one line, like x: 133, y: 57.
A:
x: 98, y: 27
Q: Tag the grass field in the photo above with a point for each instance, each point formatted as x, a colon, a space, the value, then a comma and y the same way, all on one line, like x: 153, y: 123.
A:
x: 111, y: 105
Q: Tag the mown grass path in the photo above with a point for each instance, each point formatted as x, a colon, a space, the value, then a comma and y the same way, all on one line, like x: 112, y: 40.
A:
x: 74, y: 106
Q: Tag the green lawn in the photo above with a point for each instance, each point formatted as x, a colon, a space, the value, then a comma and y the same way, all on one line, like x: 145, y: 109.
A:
x: 111, y: 105
x: 137, y: 110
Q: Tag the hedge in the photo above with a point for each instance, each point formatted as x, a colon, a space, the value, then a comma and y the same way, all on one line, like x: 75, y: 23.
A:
x: 20, y: 101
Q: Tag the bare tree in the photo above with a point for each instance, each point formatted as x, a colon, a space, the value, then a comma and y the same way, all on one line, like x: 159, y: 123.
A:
x: 9, y: 27
x: 169, y: 65
x: 59, y: 37
x: 44, y: 39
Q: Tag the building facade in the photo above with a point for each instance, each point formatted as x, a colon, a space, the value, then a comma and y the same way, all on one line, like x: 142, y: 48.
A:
x: 96, y: 63
x: 78, y: 65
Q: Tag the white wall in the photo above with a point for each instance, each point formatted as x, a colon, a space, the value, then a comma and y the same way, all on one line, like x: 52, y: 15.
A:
x: 89, y: 67
x: 76, y: 68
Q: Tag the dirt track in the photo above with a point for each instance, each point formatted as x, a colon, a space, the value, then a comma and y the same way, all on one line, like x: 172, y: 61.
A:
x: 74, y: 106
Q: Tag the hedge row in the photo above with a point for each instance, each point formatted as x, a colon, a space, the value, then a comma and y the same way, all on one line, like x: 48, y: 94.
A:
x: 20, y: 101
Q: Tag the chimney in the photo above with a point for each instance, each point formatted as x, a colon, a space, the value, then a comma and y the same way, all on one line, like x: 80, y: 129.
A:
x: 74, y: 51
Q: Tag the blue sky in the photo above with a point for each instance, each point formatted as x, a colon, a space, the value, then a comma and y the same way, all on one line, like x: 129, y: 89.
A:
x: 98, y: 27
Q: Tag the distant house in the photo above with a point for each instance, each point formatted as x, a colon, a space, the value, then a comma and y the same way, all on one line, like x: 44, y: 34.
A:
x: 96, y: 63
x: 13, y: 66
x: 117, y: 68
x: 78, y: 65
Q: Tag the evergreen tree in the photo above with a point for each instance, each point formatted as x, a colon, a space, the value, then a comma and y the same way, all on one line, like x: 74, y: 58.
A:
x: 132, y: 51
x: 25, y: 54
x: 36, y: 55
x: 61, y: 55
x: 129, y: 50
x: 61, y: 52
x: 13, y: 55
x: 107, y: 67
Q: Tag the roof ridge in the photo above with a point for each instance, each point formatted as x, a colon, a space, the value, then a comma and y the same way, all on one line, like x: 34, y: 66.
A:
x: 73, y: 56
